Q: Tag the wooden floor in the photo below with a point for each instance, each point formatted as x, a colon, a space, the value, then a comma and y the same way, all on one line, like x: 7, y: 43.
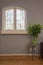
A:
x: 21, y: 61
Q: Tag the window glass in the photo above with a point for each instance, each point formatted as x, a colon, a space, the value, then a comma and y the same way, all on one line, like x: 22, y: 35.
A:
x: 20, y: 19
x: 9, y: 19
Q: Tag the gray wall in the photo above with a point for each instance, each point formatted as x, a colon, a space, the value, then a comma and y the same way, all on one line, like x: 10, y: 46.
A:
x: 18, y: 44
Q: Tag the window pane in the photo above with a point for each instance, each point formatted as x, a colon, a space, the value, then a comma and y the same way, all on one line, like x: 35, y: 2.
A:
x: 20, y: 19
x: 9, y: 14
x: 9, y: 27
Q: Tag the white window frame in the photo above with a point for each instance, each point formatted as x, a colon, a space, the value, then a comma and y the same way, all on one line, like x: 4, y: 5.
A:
x: 13, y: 31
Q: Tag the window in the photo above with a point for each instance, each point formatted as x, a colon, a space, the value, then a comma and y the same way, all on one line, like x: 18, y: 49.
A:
x: 9, y: 19
x: 20, y: 19
x: 13, y: 19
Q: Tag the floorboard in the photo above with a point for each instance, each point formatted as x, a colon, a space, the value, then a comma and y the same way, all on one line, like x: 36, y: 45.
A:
x: 26, y: 60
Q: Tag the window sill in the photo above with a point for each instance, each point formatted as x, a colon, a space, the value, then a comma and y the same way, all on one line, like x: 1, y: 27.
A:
x: 13, y: 32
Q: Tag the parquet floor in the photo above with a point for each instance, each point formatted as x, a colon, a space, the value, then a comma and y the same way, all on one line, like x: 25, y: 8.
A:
x: 25, y: 61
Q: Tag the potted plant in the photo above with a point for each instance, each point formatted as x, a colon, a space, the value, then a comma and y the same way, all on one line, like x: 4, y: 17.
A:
x: 34, y: 31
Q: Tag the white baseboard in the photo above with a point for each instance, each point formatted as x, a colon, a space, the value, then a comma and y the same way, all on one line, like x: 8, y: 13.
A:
x: 19, y: 54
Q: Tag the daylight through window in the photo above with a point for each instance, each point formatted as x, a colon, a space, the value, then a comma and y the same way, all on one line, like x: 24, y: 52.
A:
x: 14, y: 18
